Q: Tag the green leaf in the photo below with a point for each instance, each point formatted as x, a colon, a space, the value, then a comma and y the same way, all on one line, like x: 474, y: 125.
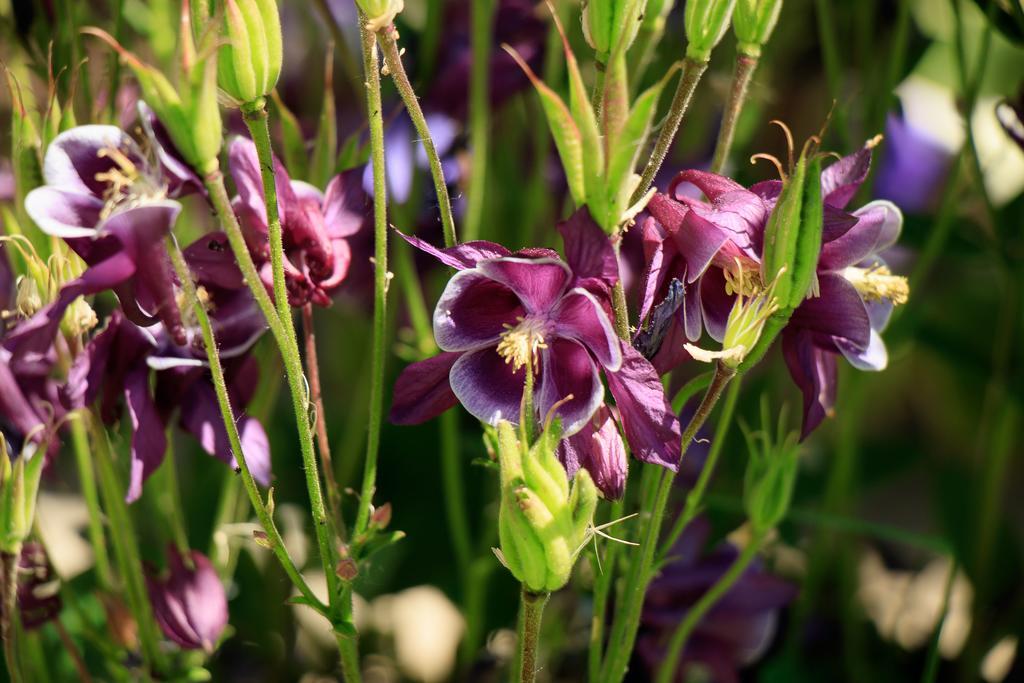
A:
x: 568, y: 138
x: 295, y: 157
x: 326, y: 145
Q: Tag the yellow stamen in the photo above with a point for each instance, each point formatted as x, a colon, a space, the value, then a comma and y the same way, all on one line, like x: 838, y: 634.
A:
x: 742, y: 280
x: 878, y: 283
x: 125, y: 182
x: 519, y: 345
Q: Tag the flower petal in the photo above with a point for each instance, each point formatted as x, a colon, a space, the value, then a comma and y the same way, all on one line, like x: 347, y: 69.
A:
x: 462, y: 256
x: 62, y: 213
x: 487, y: 386
x: 878, y: 226
x: 696, y: 239
x: 841, y: 180
x: 647, y: 418
x: 874, y: 358
x: 597, y: 448
x: 473, y: 311
x: 568, y: 370
x: 579, y: 316
x: 588, y: 251
x: 77, y: 155
x: 711, y: 184
x: 345, y: 205
x: 814, y: 372
x: 422, y: 391
x: 837, y: 311
x: 537, y: 282
x: 149, y: 441
x: 715, y: 303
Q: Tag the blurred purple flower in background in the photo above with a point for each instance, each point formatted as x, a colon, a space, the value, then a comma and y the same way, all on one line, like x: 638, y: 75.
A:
x: 405, y: 154
x: 913, y: 168
x: 504, y: 311
x: 734, y: 633
x: 189, y: 602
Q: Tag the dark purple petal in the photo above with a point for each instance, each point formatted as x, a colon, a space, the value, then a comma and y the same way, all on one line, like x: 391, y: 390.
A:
x: 672, y: 353
x: 569, y: 371
x: 597, y: 448
x: 422, y: 391
x: 579, y: 316
x: 245, y: 170
x: 588, y: 251
x: 651, y: 427
x: 149, y: 440
x: 487, y: 386
x: 838, y: 311
x: 76, y: 156
x: 841, y: 180
x: 474, y: 311
x: 537, y: 282
x: 814, y: 372
x: 62, y: 213
x: 201, y: 417
x: 15, y: 408
x: 878, y: 226
x: 212, y: 262
x: 462, y: 256
x: 696, y: 239
x: 659, y: 255
x: 715, y: 303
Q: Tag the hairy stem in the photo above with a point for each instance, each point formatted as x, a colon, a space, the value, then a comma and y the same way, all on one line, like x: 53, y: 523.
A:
x: 602, y: 590
x: 692, y: 71
x: 741, y: 76
x: 317, y: 399
x: 640, y: 571
x: 10, y: 607
x: 667, y: 671
x: 531, y: 611
x: 388, y: 39
x: 220, y: 387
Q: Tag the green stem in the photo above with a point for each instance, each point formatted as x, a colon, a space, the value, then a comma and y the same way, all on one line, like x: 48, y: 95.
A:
x: 620, y: 311
x: 932, y: 666
x: 380, y: 279
x: 833, y: 68
x: 170, y: 501
x: 696, y: 496
x: 274, y: 539
x: 316, y: 397
x: 741, y: 77
x: 602, y: 590
x: 531, y: 612
x: 388, y: 38
x: 87, y: 482
x: 455, y: 492
x: 9, y: 617
x: 479, y: 114
x: 669, y: 666
x: 126, y: 550
x: 692, y: 71
x: 640, y: 570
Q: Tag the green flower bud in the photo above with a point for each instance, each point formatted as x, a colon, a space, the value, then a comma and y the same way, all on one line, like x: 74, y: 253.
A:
x: 792, y: 237
x: 706, y: 23
x: 542, y: 521
x: 771, y: 472
x: 753, y: 23
x: 606, y: 22
x: 19, y: 484
x: 28, y: 300
x: 380, y: 13
x: 249, y: 63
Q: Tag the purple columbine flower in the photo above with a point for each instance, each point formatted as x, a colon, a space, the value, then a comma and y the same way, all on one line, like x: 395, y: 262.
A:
x: 111, y: 204
x: 913, y: 168
x: 315, y: 225
x: 405, y: 154
x: 503, y: 312
x: 117, y: 363
x: 709, y: 245
x: 189, y: 602
x: 734, y: 633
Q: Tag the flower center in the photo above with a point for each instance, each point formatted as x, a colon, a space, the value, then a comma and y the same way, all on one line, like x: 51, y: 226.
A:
x: 519, y: 344
x: 744, y: 281
x: 127, y: 186
x: 878, y: 283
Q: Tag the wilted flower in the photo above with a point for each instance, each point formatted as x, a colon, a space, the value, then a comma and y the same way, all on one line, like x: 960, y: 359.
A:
x: 505, y: 312
x: 189, y: 602
x: 314, y: 225
x: 734, y: 633
x: 706, y: 245
x: 118, y: 360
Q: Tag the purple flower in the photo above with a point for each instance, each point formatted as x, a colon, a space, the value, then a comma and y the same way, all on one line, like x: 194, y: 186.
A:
x: 504, y: 311
x: 913, y: 168
x: 734, y: 633
x: 314, y: 225
x: 189, y: 603
x: 708, y: 245
x: 111, y: 204
x: 405, y: 154
x: 117, y: 363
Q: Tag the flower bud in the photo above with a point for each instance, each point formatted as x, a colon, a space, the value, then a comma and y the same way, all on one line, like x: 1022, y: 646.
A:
x: 706, y: 22
x: 542, y: 521
x: 380, y: 13
x: 27, y: 300
x: 771, y: 473
x: 792, y: 238
x: 606, y: 22
x: 19, y: 484
x: 249, y: 64
x: 753, y: 23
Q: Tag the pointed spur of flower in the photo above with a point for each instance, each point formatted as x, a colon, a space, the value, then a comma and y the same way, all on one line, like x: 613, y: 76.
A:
x: 502, y: 312
x: 189, y: 602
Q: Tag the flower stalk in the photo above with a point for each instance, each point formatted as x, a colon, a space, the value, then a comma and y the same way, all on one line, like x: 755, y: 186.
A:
x: 531, y: 612
x: 87, y: 480
x: 317, y: 399
x: 742, y: 74
x: 10, y: 607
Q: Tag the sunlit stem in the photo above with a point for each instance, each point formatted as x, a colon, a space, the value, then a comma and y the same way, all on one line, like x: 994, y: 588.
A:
x: 741, y: 77
x: 87, y: 482
x: 531, y: 612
